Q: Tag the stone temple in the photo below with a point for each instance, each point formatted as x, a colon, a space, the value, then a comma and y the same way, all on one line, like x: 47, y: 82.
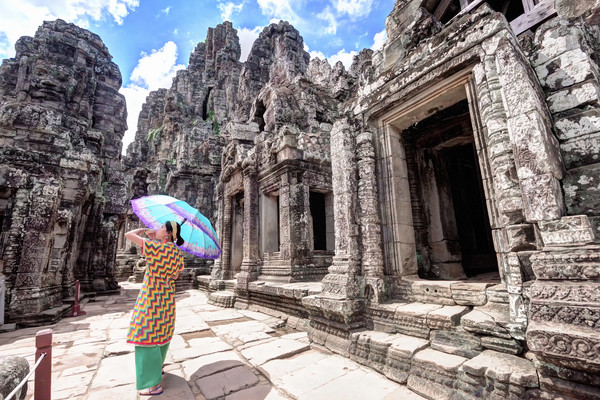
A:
x: 432, y: 213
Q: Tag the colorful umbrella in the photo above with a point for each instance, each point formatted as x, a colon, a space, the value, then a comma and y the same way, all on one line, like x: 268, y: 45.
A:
x: 199, y: 235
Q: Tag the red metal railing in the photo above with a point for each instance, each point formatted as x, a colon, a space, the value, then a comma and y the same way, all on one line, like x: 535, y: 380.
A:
x: 42, y: 368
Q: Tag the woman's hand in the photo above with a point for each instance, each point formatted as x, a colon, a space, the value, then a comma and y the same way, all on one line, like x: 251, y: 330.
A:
x: 151, y: 233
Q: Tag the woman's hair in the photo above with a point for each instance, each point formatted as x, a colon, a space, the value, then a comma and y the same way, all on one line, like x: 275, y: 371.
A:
x: 178, y: 239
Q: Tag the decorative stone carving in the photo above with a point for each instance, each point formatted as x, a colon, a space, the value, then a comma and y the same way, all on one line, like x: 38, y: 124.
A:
x: 568, y: 231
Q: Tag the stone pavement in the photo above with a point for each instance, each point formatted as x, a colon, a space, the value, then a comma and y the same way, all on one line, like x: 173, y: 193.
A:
x: 216, y: 353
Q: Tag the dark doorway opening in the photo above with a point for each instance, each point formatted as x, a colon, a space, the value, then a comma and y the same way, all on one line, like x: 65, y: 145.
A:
x: 317, y: 211
x: 452, y: 230
x: 472, y: 222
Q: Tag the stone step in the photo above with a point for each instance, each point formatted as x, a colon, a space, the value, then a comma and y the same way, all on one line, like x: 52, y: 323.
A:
x: 433, y: 374
x: 415, y: 319
x: 497, y: 375
x: 222, y: 298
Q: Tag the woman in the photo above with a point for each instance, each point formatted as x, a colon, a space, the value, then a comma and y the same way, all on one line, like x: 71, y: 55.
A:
x: 153, y: 320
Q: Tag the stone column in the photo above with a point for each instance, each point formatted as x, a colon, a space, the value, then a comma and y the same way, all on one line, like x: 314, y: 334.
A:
x: 224, y: 234
x: 342, y: 277
x: 249, y: 268
x: 338, y: 310
x: 370, y: 224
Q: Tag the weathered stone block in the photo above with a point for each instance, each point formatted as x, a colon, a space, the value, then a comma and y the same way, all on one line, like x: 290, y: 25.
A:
x: 456, y: 342
x: 579, y: 124
x: 543, y: 198
x: 573, y: 230
x: 573, y: 97
x: 480, y: 322
x: 503, y: 368
x: 567, y: 264
x: 520, y: 237
x: 469, y: 293
x: 565, y: 344
x: 509, y: 346
x: 433, y: 373
x: 582, y: 190
x: 570, y: 68
x: 582, y: 151
x: 411, y: 319
x: 446, y: 317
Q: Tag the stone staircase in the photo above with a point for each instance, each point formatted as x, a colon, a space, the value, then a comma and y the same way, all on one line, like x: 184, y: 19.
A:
x: 447, y: 340
x: 443, y: 351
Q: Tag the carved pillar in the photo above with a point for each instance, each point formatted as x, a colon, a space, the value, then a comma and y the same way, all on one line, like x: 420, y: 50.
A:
x: 370, y: 224
x: 337, y: 311
x: 224, y: 233
x: 249, y: 268
x: 342, y: 277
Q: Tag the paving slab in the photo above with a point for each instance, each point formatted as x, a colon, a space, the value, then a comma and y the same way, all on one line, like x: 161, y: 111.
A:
x: 222, y: 383
x: 276, y: 369
x: 220, y: 315
x: 258, y: 392
x: 115, y: 371
x: 263, y: 352
x: 114, y: 393
x: 210, y: 364
x: 357, y: 384
x: 312, y: 376
x: 199, y: 347
x: 237, y: 328
x: 189, y: 325
x: 176, y: 387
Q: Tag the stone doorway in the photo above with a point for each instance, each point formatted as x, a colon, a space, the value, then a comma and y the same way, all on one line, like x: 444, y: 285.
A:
x: 452, y: 230
x: 237, y: 236
x: 435, y: 207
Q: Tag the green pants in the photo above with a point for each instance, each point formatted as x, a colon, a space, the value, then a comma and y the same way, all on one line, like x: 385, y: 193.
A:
x: 148, y: 365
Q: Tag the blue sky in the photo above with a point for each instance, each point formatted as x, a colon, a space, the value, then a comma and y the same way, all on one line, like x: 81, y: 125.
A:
x: 151, y: 39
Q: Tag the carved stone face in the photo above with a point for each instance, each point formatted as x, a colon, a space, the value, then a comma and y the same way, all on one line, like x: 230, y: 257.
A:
x: 49, y: 81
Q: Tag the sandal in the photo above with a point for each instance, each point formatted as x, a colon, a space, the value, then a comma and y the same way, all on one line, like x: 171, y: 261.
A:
x: 151, y: 391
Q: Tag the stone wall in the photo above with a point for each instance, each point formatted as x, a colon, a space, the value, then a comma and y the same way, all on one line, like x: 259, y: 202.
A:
x: 61, y: 179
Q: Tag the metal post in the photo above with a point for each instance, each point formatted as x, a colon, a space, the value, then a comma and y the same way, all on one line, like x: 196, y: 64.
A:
x: 76, y: 307
x: 43, y: 374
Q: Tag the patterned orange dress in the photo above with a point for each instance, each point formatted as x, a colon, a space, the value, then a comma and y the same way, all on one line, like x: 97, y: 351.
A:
x: 153, y: 320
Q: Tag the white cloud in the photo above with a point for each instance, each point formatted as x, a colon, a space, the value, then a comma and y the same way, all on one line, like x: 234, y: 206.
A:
x: 23, y: 17
x: 175, y: 32
x: 343, y: 56
x: 135, y: 96
x: 354, y: 8
x: 328, y: 16
x: 379, y: 40
x: 153, y: 71
x: 247, y: 37
x: 227, y: 9
x: 279, y: 10
x: 166, y: 10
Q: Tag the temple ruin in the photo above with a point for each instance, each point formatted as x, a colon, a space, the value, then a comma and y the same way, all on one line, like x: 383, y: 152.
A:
x: 432, y: 212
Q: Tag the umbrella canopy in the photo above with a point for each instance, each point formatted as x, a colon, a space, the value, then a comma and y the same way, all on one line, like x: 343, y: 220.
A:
x: 199, y: 235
